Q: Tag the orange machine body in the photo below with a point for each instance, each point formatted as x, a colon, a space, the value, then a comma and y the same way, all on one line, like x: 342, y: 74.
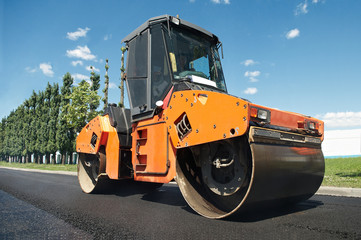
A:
x: 191, y: 117
x: 153, y: 154
x: 294, y: 122
x: 99, y: 133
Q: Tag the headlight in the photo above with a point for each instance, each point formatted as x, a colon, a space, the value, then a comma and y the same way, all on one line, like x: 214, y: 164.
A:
x: 260, y: 114
x: 311, y: 126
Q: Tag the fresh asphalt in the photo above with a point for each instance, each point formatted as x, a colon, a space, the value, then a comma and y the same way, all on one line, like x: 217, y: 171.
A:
x: 323, y: 190
x: 38, y: 205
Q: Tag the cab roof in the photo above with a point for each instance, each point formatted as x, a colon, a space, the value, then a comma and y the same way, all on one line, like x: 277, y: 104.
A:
x: 169, y: 19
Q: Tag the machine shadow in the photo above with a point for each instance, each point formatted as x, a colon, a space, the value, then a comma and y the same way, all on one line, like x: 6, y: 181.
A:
x: 169, y: 194
x: 271, y: 211
x: 349, y: 174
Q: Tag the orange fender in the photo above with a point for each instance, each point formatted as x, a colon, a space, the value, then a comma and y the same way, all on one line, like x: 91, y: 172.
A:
x: 98, y: 132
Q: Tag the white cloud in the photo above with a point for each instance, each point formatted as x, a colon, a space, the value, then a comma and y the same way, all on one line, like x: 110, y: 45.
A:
x: 248, y: 62
x: 253, y: 79
x: 341, y: 119
x: 293, y: 33
x: 112, y: 85
x: 47, y: 69
x: 30, y: 70
x: 250, y: 91
x: 94, y: 68
x: 78, y: 76
x: 76, y: 63
x: 81, y: 52
x: 77, y: 34
x: 301, y: 8
x: 252, y: 74
x: 221, y: 1
x: 108, y: 37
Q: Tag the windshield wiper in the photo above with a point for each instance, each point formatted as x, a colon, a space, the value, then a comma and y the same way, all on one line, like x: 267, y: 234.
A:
x: 214, y: 63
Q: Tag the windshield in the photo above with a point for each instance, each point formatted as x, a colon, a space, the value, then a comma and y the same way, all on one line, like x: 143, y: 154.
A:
x: 192, y: 55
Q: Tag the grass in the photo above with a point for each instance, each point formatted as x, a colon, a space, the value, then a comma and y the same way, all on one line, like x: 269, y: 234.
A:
x: 343, y: 172
x: 51, y: 167
x: 339, y: 172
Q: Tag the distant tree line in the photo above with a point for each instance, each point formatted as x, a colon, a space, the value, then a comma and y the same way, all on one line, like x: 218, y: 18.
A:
x: 49, y: 121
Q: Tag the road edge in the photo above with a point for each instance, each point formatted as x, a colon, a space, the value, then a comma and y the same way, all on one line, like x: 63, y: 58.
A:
x: 42, y: 171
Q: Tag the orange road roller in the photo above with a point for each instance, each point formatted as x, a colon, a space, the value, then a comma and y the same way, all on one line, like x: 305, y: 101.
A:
x: 225, y: 153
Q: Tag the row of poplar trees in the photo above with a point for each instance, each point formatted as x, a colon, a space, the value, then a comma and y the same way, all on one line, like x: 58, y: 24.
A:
x: 50, y: 120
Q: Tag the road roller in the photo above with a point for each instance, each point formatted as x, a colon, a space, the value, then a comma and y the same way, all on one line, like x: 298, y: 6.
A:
x: 226, y: 153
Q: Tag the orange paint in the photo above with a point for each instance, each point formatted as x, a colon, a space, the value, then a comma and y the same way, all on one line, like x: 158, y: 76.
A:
x: 291, y: 120
x: 106, y: 136
x: 153, y: 156
x: 99, y: 126
x: 212, y: 116
x: 189, y: 118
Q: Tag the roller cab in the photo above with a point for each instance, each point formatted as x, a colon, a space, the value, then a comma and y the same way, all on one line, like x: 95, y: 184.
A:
x: 226, y: 153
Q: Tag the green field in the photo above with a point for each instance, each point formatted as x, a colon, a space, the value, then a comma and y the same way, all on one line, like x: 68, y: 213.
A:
x: 340, y: 172
x: 52, y: 167
x: 343, y: 172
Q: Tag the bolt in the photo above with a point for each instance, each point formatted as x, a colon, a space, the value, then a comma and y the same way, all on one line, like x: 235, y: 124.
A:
x: 186, y: 144
x: 186, y: 99
x: 224, y: 135
x: 214, y: 126
x: 244, y: 118
x: 170, y: 127
x: 245, y: 106
x: 197, y: 130
x: 191, y: 104
x: 237, y: 103
x: 181, y: 94
x: 170, y: 107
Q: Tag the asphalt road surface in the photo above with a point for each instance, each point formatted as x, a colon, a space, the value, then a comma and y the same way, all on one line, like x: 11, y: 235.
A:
x: 52, y: 206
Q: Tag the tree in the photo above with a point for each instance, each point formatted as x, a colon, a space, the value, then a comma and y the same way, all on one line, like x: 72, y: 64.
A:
x: 106, y: 82
x: 44, y: 121
x: 2, y: 136
x: 122, y: 77
x: 95, y: 85
x: 8, y: 138
x: 27, y: 130
x: 33, y: 132
x: 55, y: 99
x: 83, y: 99
x: 65, y: 135
x: 40, y: 127
x: 18, y: 133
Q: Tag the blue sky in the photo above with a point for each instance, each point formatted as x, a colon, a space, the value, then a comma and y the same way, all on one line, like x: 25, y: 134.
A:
x: 296, y: 55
